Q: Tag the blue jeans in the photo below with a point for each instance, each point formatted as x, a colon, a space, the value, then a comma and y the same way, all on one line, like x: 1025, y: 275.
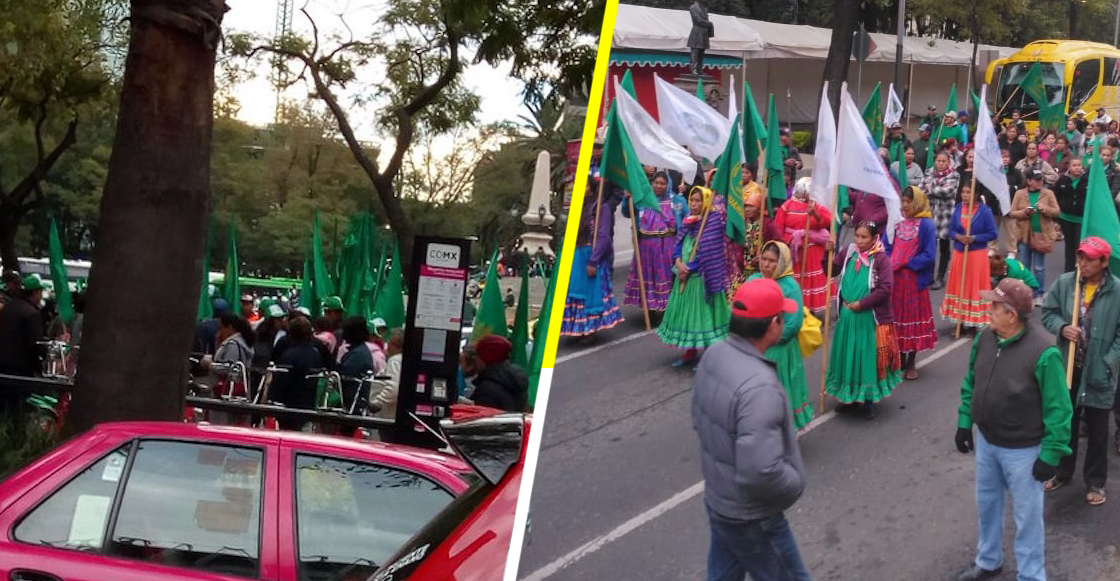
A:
x: 1035, y: 262
x: 764, y: 549
x: 999, y: 470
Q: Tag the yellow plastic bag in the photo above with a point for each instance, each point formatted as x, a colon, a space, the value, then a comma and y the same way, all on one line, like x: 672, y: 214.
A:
x: 809, y: 337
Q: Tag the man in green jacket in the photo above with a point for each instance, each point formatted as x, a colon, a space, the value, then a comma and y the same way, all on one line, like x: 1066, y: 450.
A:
x: 1096, y: 358
x: 1015, y: 392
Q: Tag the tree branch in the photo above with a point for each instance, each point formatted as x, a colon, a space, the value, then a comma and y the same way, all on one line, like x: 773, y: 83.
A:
x: 27, y: 185
x: 421, y: 100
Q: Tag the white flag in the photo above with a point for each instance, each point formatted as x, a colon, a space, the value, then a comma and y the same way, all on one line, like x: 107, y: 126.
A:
x: 690, y: 121
x: 858, y: 164
x: 824, y: 156
x: 651, y: 143
x: 988, y: 163
x: 893, y: 113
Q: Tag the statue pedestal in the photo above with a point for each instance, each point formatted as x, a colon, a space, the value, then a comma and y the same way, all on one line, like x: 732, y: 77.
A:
x: 713, y: 93
x: 533, y: 242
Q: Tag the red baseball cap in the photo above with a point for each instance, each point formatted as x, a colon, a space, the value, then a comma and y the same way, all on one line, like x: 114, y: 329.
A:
x: 760, y: 298
x: 1095, y: 247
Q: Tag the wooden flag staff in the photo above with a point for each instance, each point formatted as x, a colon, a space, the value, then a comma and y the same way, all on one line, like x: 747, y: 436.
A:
x: 964, y: 261
x: 828, y: 295
x: 1074, y: 323
x: 638, y: 261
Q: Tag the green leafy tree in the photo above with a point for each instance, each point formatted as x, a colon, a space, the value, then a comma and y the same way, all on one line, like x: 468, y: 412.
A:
x: 55, y: 59
x: 421, y: 47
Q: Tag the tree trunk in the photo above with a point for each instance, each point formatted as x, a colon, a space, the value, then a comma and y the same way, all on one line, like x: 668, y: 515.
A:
x: 844, y: 25
x: 9, y: 224
x: 147, y: 263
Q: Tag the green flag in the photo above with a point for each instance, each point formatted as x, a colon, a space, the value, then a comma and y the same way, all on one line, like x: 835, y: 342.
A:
x: 975, y: 104
x: 1032, y: 85
x: 873, y: 113
x: 754, y: 130
x: 540, y: 338
x: 307, y: 289
x: 491, y: 316
x: 520, y: 336
x: 232, y: 290
x: 321, y: 277
x: 1100, y: 214
x: 699, y: 90
x: 775, y: 168
x: 205, y: 305
x: 59, y: 277
x: 621, y: 166
x: 951, y: 103
x: 627, y: 84
x: 356, y: 281
x: 390, y: 298
x: 728, y: 181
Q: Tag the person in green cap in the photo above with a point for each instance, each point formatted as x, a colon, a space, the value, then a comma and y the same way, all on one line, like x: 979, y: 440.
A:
x: 334, y: 312
x: 1003, y: 266
x: 21, y: 328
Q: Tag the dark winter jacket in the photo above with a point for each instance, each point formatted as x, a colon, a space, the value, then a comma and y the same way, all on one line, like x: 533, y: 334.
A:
x: 503, y: 386
x: 21, y: 328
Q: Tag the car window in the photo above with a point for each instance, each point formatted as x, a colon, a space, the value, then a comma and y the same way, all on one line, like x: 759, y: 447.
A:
x: 192, y: 505
x: 351, y: 516
x: 74, y: 517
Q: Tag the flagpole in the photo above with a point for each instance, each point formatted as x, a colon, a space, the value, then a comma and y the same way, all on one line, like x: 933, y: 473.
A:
x: 638, y: 261
x: 765, y: 197
x: 1076, y: 313
x: 964, y: 261
x: 1008, y: 101
x: 828, y: 294
x: 598, y: 206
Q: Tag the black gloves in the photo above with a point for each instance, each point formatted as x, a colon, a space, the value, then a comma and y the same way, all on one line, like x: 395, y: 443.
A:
x: 1043, y: 471
x: 964, y: 440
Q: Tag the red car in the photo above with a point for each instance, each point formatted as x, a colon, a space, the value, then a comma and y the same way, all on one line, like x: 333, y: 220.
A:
x: 168, y: 501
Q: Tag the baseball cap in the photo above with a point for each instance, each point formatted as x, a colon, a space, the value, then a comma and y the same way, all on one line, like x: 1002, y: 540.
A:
x: 962, y: 113
x: 32, y: 283
x: 1080, y: 111
x: 1034, y: 174
x: 378, y: 323
x: 304, y: 311
x: 246, y: 298
x: 784, y: 130
x: 1095, y: 247
x: 951, y: 114
x: 932, y: 107
x: 923, y: 127
x: 220, y: 306
x: 332, y: 304
x: 276, y: 311
x: 1012, y: 292
x: 761, y: 298
x: 896, y: 125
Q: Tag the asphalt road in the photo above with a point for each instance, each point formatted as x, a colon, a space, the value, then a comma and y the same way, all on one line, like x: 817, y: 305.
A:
x: 618, y: 491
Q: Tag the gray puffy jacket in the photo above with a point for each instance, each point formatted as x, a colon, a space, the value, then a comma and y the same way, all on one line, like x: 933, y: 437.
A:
x: 749, y: 455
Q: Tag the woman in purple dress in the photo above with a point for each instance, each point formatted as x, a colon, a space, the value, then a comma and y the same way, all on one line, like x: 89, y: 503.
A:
x: 657, y: 238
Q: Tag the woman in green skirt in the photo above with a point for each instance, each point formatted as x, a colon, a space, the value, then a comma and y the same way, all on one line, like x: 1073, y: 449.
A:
x: 776, y: 263
x: 697, y: 314
x: 864, y: 365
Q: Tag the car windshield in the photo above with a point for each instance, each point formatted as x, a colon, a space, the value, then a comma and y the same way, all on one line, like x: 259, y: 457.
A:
x: 1011, y: 97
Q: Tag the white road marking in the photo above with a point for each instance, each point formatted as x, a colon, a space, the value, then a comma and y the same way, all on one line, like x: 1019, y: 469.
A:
x: 598, y: 348
x: 685, y: 495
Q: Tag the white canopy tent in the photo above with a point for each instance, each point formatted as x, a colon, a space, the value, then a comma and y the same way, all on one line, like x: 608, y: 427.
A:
x: 788, y: 57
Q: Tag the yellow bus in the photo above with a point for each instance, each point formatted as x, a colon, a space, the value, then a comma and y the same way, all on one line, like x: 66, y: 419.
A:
x: 1077, y: 75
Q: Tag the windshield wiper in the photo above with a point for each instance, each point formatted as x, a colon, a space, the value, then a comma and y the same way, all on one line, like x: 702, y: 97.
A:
x: 342, y: 572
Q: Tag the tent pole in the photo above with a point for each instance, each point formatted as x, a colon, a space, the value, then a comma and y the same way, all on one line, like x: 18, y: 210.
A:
x: 909, y: 96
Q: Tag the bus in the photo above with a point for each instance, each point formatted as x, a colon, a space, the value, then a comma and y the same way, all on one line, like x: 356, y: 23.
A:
x: 1076, y: 74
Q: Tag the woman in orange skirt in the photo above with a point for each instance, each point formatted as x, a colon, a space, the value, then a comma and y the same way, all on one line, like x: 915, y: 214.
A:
x: 962, y: 302
x: 800, y: 222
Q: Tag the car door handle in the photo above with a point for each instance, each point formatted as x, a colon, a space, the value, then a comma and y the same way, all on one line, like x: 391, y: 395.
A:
x: 27, y: 575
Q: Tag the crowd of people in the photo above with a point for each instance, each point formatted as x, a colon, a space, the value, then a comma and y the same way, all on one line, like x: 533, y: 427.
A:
x: 703, y: 287
x: 268, y: 333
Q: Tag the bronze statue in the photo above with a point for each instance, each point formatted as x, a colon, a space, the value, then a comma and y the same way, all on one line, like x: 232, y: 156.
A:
x: 698, y: 38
